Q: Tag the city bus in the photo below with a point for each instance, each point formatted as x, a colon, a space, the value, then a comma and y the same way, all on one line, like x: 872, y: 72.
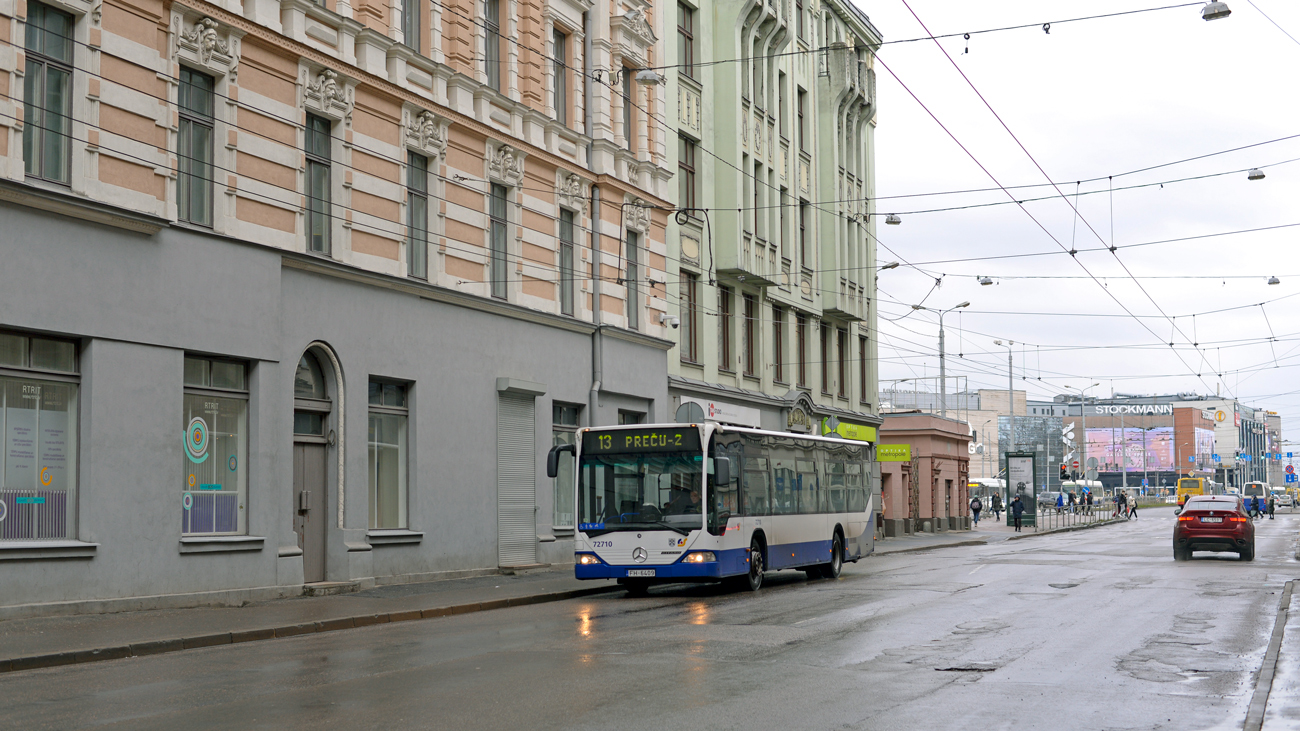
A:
x: 1255, y: 489
x: 1188, y: 486
x: 706, y: 502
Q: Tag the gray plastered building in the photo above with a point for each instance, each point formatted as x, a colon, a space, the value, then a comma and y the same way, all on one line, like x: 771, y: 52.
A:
x: 142, y: 301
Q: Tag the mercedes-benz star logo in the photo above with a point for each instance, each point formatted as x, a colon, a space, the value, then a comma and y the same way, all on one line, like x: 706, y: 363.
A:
x: 639, y: 554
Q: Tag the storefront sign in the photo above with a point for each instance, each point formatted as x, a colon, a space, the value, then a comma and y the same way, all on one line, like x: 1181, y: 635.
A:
x: 1131, y: 409
x: 859, y: 432
x: 893, y: 453
x: 798, y: 420
x: 728, y: 413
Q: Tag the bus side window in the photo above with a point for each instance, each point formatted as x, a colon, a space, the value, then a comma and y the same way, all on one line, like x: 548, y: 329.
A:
x: 836, y: 484
x: 758, y: 493
x: 853, y: 480
x: 809, y: 489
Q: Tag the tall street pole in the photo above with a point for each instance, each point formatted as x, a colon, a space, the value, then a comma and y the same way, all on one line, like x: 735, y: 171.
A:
x: 943, y: 373
x: 1011, y: 402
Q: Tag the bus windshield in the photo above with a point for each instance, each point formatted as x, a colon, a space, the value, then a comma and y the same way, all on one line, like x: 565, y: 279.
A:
x: 641, y: 491
x: 1254, y: 489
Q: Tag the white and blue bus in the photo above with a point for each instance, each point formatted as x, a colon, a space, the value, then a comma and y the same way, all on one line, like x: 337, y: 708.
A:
x: 706, y: 502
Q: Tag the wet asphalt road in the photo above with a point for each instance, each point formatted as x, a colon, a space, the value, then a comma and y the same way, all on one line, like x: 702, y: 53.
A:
x: 1096, y: 629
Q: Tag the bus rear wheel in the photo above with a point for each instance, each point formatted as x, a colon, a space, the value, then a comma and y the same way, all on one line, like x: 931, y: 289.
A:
x: 832, y: 570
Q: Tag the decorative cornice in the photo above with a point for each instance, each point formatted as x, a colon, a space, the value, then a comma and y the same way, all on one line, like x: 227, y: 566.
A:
x: 636, y: 215
x: 207, y: 44
x: 425, y: 131
x: 327, y: 94
x: 572, y: 191
x: 505, y: 163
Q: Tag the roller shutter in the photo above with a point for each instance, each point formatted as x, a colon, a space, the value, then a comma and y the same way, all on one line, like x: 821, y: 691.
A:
x: 516, y: 481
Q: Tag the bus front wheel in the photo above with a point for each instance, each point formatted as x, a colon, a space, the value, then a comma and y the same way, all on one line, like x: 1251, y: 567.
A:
x: 753, y: 580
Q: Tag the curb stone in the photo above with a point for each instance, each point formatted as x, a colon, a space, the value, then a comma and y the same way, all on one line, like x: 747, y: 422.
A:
x: 158, y: 647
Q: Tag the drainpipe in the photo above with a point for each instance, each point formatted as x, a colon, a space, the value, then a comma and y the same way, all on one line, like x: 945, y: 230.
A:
x: 593, y: 398
x: 597, y: 358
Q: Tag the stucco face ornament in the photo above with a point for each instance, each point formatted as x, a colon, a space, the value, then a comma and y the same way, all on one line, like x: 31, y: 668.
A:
x: 196, y: 440
x: 639, y: 554
x: 204, y: 35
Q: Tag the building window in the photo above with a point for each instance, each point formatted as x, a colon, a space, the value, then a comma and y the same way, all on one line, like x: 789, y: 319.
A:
x: 387, y: 444
x: 500, y: 225
x: 863, y: 391
x: 411, y: 24
x: 38, y: 421
x: 751, y: 334
x: 782, y: 236
x: 686, y: 173
x: 628, y: 96
x: 564, y: 430
x: 561, y: 68
x: 778, y: 344
x: 566, y: 262
x: 780, y: 100
x: 801, y: 99
x: 801, y: 347
x: 318, y: 184
x: 690, y: 286
x: 47, y: 94
x: 417, y: 215
x: 724, y: 330
x: 492, y: 42
x: 842, y: 350
x: 798, y: 19
x: 630, y: 417
x: 194, y: 148
x: 825, y: 360
x: 686, y: 39
x: 804, y: 260
x: 633, y: 286
x: 214, y: 484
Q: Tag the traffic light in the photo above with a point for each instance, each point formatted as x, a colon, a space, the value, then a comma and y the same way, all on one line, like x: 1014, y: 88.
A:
x: 1065, y: 475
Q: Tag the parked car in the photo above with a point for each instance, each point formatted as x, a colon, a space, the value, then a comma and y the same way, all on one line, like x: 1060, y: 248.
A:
x: 1214, y: 523
x: 1284, y: 500
x: 1048, y: 499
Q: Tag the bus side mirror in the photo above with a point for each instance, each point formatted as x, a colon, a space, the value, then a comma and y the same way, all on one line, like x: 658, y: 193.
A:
x: 722, y: 470
x: 553, y: 458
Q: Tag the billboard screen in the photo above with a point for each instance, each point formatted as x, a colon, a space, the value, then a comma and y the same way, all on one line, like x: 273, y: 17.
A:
x: 1135, y: 448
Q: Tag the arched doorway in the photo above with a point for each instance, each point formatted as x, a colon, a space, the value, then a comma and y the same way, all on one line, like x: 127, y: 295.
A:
x: 312, y: 411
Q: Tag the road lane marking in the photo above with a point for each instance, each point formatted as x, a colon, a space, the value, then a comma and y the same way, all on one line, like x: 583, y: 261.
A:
x: 977, y: 568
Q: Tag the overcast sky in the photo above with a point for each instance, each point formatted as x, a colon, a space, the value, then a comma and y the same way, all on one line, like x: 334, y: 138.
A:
x: 1094, y: 98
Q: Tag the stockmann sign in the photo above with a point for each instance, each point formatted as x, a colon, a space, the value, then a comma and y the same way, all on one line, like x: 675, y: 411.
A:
x: 1131, y: 409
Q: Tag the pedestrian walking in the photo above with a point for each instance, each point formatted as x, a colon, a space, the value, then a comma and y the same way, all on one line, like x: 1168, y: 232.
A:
x: 975, y: 507
x: 1133, y: 509
x: 1017, y: 508
x: 1073, y: 500
x: 997, y: 506
x: 1088, y: 497
x: 1060, y: 502
x: 1115, y: 499
x: 1272, y: 505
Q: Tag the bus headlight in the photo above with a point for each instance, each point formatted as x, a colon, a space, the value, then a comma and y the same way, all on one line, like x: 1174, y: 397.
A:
x: 699, y: 557
x: 585, y: 559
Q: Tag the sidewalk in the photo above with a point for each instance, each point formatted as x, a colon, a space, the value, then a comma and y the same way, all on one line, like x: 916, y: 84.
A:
x: 988, y: 531
x: 51, y: 641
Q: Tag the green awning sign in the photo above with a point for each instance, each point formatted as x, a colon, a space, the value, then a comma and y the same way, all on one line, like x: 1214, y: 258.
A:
x: 857, y: 432
x: 893, y: 453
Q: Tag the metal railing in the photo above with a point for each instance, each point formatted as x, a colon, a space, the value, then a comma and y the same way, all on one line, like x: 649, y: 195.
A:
x: 1052, y: 517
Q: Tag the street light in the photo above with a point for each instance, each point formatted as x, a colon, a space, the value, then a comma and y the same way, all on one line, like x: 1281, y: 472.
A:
x: 1083, y: 450
x: 943, y: 380
x: 893, y: 219
x: 1215, y: 11
x: 1011, y: 402
x: 890, y: 265
x: 1255, y: 174
x: 1274, y: 280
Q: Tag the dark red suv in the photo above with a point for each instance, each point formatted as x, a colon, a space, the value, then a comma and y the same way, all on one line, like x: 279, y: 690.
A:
x: 1214, y: 523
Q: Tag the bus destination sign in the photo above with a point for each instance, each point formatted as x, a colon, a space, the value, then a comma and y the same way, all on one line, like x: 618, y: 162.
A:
x: 623, y: 441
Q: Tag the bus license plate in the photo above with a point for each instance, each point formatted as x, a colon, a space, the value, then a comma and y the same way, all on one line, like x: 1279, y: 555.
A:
x: 1211, y: 520
x: 634, y: 573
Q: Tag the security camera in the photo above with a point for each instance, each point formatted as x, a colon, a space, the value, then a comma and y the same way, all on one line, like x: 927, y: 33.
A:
x: 667, y: 320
